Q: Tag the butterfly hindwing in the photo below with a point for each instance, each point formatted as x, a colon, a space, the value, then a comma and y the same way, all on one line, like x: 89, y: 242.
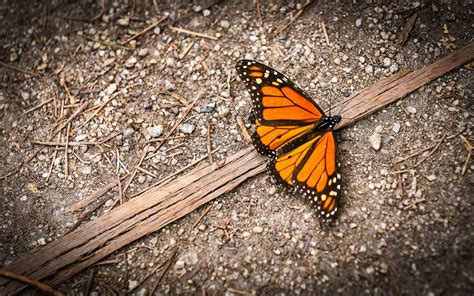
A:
x: 310, y: 170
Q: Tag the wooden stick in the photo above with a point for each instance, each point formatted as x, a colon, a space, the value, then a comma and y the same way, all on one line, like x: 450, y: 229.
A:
x: 389, y: 90
x: 17, y: 69
x: 66, y: 165
x: 160, y: 205
x: 38, y: 106
x: 432, y: 151
x: 323, y: 27
x: 180, y: 30
x: 204, y: 213
x: 145, y: 30
x: 39, y: 285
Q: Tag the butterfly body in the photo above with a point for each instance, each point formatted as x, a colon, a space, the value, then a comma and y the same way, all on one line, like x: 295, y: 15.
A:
x: 295, y: 133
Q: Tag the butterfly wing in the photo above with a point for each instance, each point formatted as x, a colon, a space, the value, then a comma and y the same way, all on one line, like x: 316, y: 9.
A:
x: 310, y: 169
x: 282, y: 110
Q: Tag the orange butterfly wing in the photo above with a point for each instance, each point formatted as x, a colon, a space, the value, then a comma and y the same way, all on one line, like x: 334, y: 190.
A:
x: 303, y: 159
x: 282, y: 110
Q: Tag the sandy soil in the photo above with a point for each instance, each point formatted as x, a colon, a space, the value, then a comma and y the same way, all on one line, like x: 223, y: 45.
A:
x: 404, y: 227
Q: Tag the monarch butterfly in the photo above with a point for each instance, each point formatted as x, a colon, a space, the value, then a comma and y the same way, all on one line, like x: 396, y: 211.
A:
x: 295, y: 133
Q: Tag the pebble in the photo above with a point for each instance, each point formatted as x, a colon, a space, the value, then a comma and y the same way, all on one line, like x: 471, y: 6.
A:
x: 371, y: 186
x: 41, y: 241
x: 431, y: 177
x: 187, y: 128
x: 369, y: 69
x: 206, y: 12
x: 358, y: 22
x: 128, y: 132
x: 111, y: 89
x: 179, y: 264
x: 132, y: 284
x: 143, y: 52
x: 337, y: 61
x: 24, y: 198
x: 109, y: 203
x: 131, y: 62
x: 170, y: 62
x: 257, y: 229
x: 411, y: 110
x: 123, y: 22
x: 155, y: 131
x: 362, y: 60
x: 387, y: 62
x: 157, y: 30
x: 208, y: 108
x: 191, y: 257
x: 141, y: 179
x: 24, y: 95
x: 86, y: 170
x: 394, y: 68
x: 225, y: 24
x: 396, y: 127
x: 223, y: 111
x: 375, y: 141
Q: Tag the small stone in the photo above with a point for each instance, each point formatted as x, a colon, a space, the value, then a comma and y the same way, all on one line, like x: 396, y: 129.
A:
x: 369, y: 69
x: 370, y: 270
x: 131, y: 62
x: 394, y: 68
x: 157, y: 30
x: 132, y: 284
x: 387, y: 62
x: 411, y: 110
x: 86, y: 170
x: 358, y: 22
x: 362, y: 60
x: 109, y: 203
x: 170, y: 62
x: 334, y: 79
x: 225, y: 24
x: 208, y: 108
x: 111, y: 88
x: 337, y: 61
x: 143, y: 52
x: 187, y: 128
x: 206, y: 12
x: 375, y: 141
x: 345, y: 57
x: 191, y: 257
x: 123, y: 22
x: 396, y: 127
x: 41, y: 241
x: 79, y: 138
x: 439, y: 89
x: 363, y: 249
x: 223, y: 111
x: 246, y: 234
x: 257, y: 229
x: 24, y: 95
x: 155, y: 131
x: 128, y: 132
x: 179, y: 264
x: 141, y: 179
x: 431, y: 177
x: 24, y: 198
x: 371, y: 186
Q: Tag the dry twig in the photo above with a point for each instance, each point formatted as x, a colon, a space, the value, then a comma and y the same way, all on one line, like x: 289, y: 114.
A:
x: 145, y: 30
x: 323, y: 27
x: 244, y: 130
x: 39, y: 285
x: 469, y: 148
x: 204, y: 213
x: 180, y: 30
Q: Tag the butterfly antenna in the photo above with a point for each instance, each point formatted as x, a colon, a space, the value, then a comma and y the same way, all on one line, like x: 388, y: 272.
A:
x: 345, y: 105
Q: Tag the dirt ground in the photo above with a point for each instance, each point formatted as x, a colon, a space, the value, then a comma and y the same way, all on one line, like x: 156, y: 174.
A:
x: 405, y: 225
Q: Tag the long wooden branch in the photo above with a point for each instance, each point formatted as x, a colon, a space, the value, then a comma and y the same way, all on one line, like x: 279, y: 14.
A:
x: 159, y: 206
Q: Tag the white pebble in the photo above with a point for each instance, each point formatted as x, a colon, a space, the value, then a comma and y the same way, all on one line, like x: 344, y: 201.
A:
x: 225, y: 24
x: 111, y: 88
x: 155, y: 131
x: 396, y: 127
x: 394, y: 68
x: 387, y: 62
x: 375, y: 141
x: 369, y: 69
x: 187, y: 128
x: 358, y: 22
x: 257, y: 229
